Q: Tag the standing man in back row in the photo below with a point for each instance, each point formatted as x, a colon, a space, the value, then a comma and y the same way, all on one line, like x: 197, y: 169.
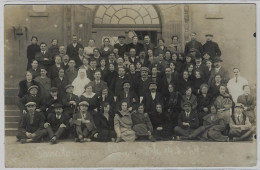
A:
x: 73, y: 48
x: 211, y: 47
x: 193, y: 45
x: 121, y: 46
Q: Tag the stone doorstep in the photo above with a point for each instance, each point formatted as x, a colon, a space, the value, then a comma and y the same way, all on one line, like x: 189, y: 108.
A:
x: 10, y: 131
x: 12, y: 118
x: 11, y: 125
x: 12, y: 112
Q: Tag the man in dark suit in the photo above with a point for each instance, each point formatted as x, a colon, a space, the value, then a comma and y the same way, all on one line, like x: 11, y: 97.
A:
x: 127, y: 95
x: 65, y: 61
x: 211, y: 47
x: 132, y: 56
x: 219, y: 70
x: 199, y: 66
x: 73, y: 48
x: 43, y: 57
x: 193, y: 44
x: 121, y: 46
x: 98, y: 85
x: 147, y: 44
x: 70, y: 101
x: 142, y: 85
x: 143, y: 60
x: 136, y: 45
x: 57, y: 124
x: 60, y: 82
x: 71, y: 73
x: 152, y: 98
x: 92, y: 69
x: 116, y: 85
x: 32, y: 50
x: 53, y: 71
x: 188, y: 123
x: 31, y: 125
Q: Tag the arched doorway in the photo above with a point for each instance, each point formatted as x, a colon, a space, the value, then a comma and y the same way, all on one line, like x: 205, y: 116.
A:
x: 113, y: 20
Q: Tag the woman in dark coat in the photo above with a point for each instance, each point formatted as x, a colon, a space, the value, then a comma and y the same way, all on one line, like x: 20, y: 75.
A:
x: 162, y: 127
x: 141, y: 123
x: 104, y: 121
x: 110, y: 74
x: 90, y: 97
x: 197, y: 82
x: 204, y: 102
x: 25, y: 84
x: 172, y: 104
x: 189, y: 97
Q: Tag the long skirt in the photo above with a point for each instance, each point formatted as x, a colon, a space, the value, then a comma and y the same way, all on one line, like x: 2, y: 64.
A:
x: 127, y: 135
x: 214, y: 133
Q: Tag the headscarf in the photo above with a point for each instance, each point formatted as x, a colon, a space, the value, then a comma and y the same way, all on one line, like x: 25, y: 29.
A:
x: 80, y: 83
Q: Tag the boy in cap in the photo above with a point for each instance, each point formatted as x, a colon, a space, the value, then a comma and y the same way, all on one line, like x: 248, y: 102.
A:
x: 31, y: 125
x: 57, y: 123
x: 51, y: 100
x: 240, y: 126
x: 32, y: 96
x: 188, y: 123
x: 70, y: 101
x: 83, y: 120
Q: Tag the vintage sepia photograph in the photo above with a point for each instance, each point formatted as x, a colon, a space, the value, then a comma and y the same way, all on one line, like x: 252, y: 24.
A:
x: 130, y: 85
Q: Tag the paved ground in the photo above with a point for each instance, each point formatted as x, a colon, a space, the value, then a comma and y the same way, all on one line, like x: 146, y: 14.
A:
x: 138, y: 154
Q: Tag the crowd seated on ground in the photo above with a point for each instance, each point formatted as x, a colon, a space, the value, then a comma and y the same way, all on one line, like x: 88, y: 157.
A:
x: 131, y: 92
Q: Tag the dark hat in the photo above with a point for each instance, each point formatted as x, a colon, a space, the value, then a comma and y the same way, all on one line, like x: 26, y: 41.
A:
x: 239, y: 105
x: 217, y: 59
x: 42, y: 67
x: 187, y: 103
x: 53, y: 89
x: 68, y: 86
x: 30, y: 103
x: 144, y: 69
x: 152, y: 82
x: 57, y: 105
x: 193, y: 50
x: 197, y: 56
x: 84, y: 103
x: 124, y: 82
x: 209, y: 35
x: 33, y: 86
x: 121, y: 36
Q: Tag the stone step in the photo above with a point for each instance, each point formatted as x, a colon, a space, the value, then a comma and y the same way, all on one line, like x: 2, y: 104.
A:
x: 11, y: 91
x: 11, y: 107
x: 11, y: 131
x: 11, y: 100
x: 11, y: 119
x: 11, y: 125
x: 12, y: 112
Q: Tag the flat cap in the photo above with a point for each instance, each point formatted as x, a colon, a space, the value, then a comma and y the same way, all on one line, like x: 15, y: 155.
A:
x: 30, y: 104
x: 33, y: 86
x: 84, y: 103
x: 53, y: 89
x: 187, y: 103
x: 68, y: 86
x: 57, y: 105
x: 217, y: 59
x: 121, y: 36
x: 209, y: 35
x: 144, y: 69
x: 152, y: 82
x: 124, y: 82
x: 239, y: 105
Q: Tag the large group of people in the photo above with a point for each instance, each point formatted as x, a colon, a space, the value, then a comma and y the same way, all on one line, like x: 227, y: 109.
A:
x: 135, y: 91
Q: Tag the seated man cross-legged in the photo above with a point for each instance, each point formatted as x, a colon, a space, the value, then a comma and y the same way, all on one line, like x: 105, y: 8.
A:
x: 188, y: 123
x: 31, y: 125
x: 57, y: 124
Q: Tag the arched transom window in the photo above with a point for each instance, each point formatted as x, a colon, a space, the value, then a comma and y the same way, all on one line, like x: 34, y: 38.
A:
x: 126, y: 14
